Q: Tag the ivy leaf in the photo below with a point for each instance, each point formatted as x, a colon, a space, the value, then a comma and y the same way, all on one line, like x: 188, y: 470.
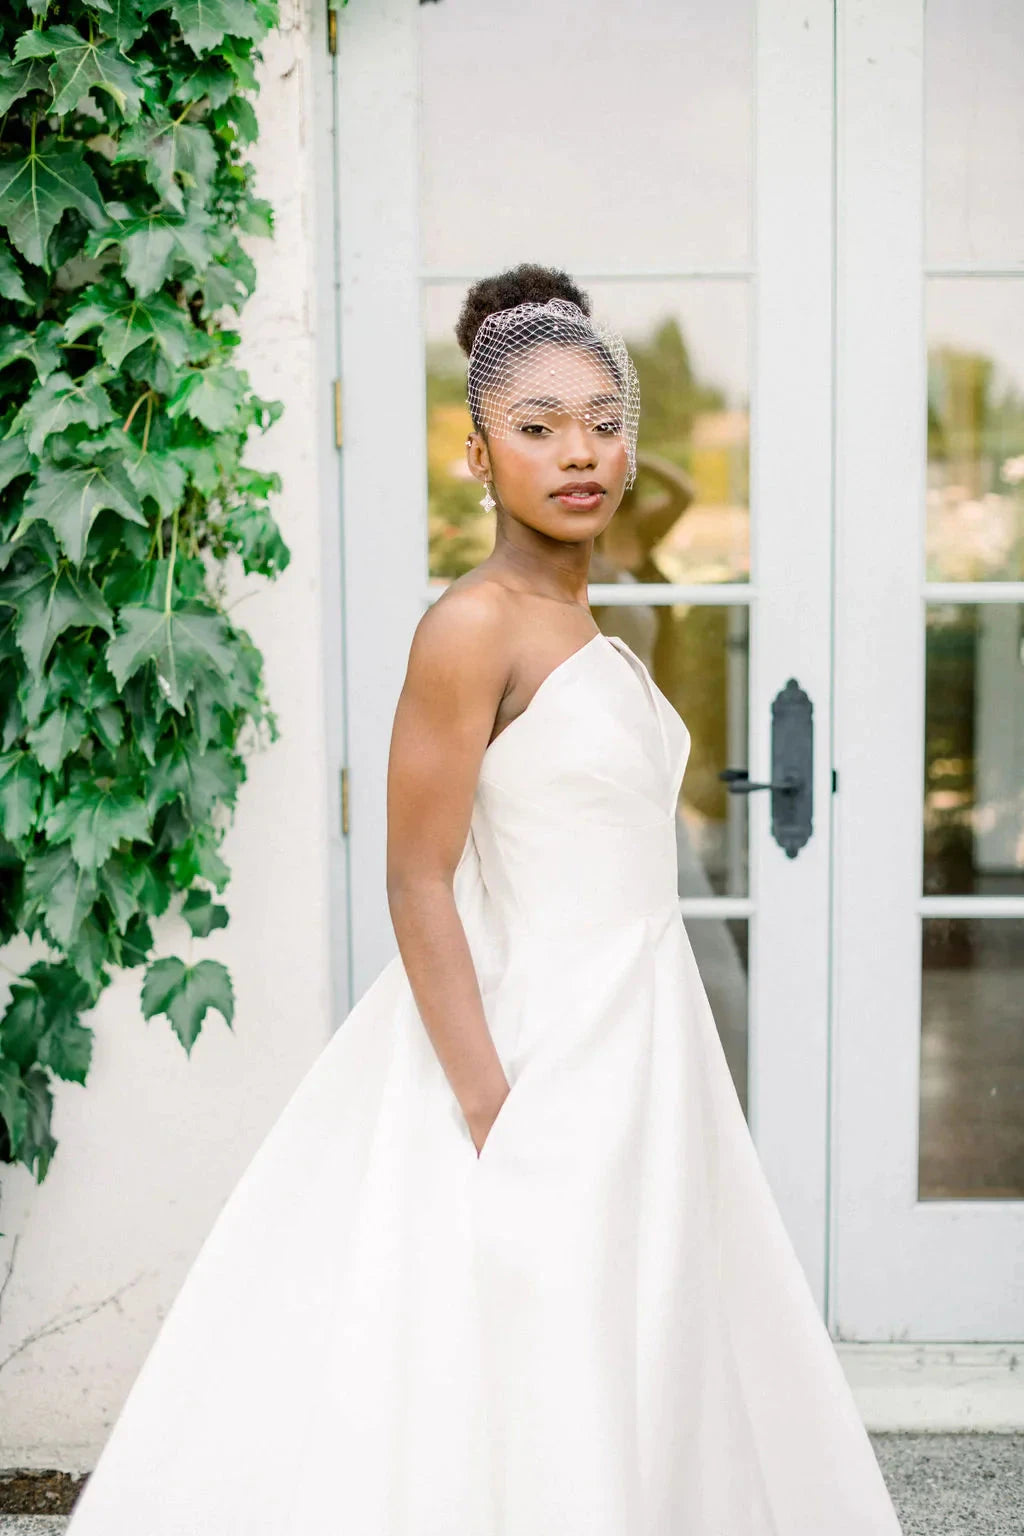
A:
x: 12, y: 284
x: 202, y: 913
x: 161, y: 475
x: 60, y: 402
x: 59, y: 893
x: 89, y: 949
x: 39, y: 1024
x: 126, y: 321
x: 181, y: 643
x: 34, y: 694
x: 213, y: 78
x: 177, y: 158
x: 15, y: 458
x: 205, y: 23
x: 185, y: 992
x: 67, y: 1051
x: 122, y: 881
x: 79, y: 66
x: 211, y: 714
x: 58, y: 735
x: 17, y: 79
x: 70, y: 499
x: 200, y: 780
x: 40, y: 347
x: 23, y: 1025
x: 94, y: 817
x: 122, y: 21
x: 20, y: 779
x: 13, y: 1107
x: 229, y: 279
x: 108, y: 723
x: 137, y: 944
x: 205, y: 464
x: 210, y: 395
x: 256, y: 217
x: 78, y: 673
x: 151, y: 244
x: 48, y: 601
x: 38, y: 1144
x: 196, y: 858
x: 141, y: 711
x: 38, y: 187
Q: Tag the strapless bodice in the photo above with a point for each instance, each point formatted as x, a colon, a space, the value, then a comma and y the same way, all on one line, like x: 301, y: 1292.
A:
x: 574, y: 818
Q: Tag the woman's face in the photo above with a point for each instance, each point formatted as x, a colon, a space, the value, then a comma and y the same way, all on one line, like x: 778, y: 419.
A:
x: 554, y: 422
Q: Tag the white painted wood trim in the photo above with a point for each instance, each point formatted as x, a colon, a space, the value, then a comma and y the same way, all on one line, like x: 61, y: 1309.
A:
x: 627, y: 594
x: 594, y: 275
x: 791, y: 497
x: 384, y: 415
x: 323, y: 278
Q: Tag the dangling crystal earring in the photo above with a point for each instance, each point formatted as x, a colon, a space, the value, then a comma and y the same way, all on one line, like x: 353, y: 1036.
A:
x: 487, y: 501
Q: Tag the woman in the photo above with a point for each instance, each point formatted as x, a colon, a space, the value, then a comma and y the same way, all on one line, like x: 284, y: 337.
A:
x: 507, y: 1263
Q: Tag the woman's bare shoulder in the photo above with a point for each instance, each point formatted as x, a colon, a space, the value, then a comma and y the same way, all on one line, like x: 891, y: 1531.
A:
x: 469, y: 623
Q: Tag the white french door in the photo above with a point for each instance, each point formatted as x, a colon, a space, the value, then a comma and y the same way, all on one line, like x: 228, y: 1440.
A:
x: 929, y: 702
x: 680, y: 160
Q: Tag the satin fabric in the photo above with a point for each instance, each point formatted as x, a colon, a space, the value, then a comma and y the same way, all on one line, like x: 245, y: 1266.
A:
x: 598, y: 1327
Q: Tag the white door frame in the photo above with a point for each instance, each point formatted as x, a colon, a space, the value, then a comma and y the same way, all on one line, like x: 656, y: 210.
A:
x: 384, y: 488
x: 905, y: 1269
x: 383, y: 428
x: 791, y: 565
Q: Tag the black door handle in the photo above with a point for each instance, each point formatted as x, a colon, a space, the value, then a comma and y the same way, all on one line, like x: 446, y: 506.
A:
x: 792, y: 780
x: 740, y: 784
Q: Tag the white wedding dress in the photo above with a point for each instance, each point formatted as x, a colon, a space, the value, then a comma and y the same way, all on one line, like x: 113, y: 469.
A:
x: 598, y: 1327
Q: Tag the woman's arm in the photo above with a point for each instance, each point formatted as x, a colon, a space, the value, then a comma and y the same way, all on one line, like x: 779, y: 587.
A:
x: 455, y: 680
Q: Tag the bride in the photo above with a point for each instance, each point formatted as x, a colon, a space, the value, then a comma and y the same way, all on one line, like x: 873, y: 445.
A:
x: 507, y: 1264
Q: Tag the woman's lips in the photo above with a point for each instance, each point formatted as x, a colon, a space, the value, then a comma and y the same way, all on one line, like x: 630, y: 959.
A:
x: 582, y: 500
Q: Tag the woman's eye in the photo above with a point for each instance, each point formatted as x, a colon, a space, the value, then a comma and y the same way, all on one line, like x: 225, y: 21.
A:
x: 609, y: 428
x: 533, y: 427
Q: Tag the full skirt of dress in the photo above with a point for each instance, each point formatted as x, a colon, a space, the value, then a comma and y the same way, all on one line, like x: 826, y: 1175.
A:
x: 599, y: 1326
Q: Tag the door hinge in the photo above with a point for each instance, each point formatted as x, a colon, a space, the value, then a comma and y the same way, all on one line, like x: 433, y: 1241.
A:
x: 835, y: 780
x: 332, y: 27
x: 344, y: 801
x: 337, y: 413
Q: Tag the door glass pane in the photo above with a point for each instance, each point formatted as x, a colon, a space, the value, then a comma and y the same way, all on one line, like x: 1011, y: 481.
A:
x: 972, y: 1059
x: 971, y: 1125
x: 698, y: 656
x: 974, y: 130
x: 596, y: 136
x: 975, y: 430
x: 974, y: 750
x: 686, y: 519
x: 721, y: 952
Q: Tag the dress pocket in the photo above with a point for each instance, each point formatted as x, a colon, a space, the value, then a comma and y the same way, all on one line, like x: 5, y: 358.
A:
x: 497, y: 1127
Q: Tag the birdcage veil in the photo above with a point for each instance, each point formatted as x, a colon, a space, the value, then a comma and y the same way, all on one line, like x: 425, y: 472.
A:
x: 592, y: 373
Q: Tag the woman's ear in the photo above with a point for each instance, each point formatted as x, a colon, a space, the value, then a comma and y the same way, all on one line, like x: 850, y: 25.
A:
x: 478, y: 458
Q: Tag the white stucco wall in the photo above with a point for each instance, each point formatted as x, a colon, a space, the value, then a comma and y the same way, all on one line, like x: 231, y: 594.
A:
x: 151, y: 1147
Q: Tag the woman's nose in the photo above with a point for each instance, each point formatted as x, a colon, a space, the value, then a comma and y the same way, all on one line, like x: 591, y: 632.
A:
x: 577, y: 444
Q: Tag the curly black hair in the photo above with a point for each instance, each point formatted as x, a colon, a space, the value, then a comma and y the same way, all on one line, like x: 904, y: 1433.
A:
x: 526, y: 284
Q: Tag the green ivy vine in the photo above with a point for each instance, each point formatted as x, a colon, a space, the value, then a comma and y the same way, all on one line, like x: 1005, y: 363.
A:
x: 129, y: 698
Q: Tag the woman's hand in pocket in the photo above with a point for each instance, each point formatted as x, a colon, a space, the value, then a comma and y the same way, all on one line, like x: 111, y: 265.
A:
x: 480, y: 1122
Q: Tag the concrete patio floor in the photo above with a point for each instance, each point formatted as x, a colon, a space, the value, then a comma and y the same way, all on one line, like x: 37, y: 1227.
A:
x: 942, y: 1485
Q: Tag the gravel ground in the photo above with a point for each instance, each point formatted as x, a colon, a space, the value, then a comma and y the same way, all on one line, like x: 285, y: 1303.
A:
x: 955, y: 1485
x: 942, y: 1485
